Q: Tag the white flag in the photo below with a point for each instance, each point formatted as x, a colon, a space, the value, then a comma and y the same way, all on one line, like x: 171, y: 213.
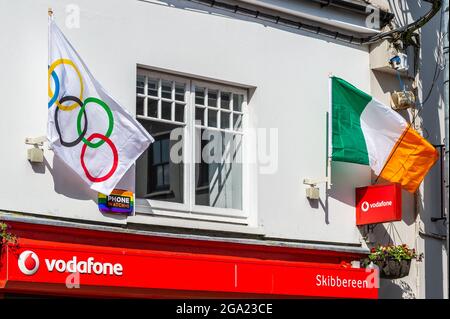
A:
x: 87, y: 128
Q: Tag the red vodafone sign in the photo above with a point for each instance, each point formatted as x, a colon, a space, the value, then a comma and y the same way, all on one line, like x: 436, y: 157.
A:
x: 64, y: 268
x: 29, y: 262
x: 378, y: 204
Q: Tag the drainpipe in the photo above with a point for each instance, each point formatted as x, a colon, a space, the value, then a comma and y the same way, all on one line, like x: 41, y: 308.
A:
x: 446, y: 88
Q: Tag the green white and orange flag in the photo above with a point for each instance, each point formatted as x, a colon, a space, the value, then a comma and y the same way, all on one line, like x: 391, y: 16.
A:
x: 365, y: 131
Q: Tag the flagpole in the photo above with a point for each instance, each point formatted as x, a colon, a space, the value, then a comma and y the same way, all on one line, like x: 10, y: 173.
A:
x: 329, y: 127
x: 50, y: 17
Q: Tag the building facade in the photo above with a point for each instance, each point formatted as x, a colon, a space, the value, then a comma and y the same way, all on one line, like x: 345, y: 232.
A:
x: 252, y: 77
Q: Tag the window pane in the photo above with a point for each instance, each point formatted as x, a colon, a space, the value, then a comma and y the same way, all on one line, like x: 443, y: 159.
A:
x: 225, y: 99
x: 237, y: 102
x: 167, y: 174
x: 166, y: 110
x: 237, y: 122
x: 156, y: 152
x: 179, y: 91
x: 218, y: 169
x: 165, y: 148
x: 152, y: 108
x: 139, y: 105
x: 200, y: 115
x: 179, y: 112
x: 140, y: 84
x: 212, y: 98
x: 212, y: 118
x: 199, y: 96
x: 158, y: 175
x: 225, y: 120
x: 166, y: 89
x: 152, y: 88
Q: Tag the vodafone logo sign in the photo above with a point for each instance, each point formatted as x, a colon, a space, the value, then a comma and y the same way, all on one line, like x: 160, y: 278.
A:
x: 365, y: 206
x: 28, y: 262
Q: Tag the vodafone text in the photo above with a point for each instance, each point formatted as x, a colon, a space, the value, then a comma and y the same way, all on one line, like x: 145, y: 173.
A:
x: 84, y: 267
x: 366, y: 205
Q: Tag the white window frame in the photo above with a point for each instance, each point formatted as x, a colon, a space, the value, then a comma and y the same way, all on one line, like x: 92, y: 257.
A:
x: 188, y: 209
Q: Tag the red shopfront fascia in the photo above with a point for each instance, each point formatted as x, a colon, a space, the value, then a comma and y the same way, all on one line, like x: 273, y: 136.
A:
x: 55, y: 260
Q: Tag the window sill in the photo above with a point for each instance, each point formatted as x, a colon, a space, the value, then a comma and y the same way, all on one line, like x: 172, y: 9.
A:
x: 193, y: 224
x: 182, y: 211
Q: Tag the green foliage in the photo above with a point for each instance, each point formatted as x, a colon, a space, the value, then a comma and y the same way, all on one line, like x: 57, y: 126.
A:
x: 392, y: 252
x: 5, y: 235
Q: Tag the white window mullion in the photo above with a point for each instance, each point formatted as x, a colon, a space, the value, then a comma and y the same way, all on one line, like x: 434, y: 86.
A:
x: 246, y: 149
x: 191, y: 147
x: 145, y: 94
x: 172, y: 115
x: 231, y: 103
x: 218, y: 109
x: 205, y: 103
x: 159, y: 98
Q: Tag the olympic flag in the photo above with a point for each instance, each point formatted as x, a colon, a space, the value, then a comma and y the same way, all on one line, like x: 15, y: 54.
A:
x: 87, y: 128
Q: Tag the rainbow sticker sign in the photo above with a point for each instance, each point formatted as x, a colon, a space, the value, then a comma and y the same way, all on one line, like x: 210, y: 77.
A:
x: 119, y: 202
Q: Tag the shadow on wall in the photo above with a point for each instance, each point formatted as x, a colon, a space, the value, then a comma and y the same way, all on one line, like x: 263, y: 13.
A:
x: 395, y: 289
x: 322, y: 204
x: 345, y: 177
x: 400, y: 10
x: 67, y: 182
x: 434, y: 271
x: 434, y: 248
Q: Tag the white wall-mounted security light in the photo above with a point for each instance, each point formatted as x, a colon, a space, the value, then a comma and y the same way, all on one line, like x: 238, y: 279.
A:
x: 313, y: 192
x: 36, y: 153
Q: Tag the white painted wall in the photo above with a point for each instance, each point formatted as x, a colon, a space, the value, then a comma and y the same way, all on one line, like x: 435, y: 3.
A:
x: 289, y: 70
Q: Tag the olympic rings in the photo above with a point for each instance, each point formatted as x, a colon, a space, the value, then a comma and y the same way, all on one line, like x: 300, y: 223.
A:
x: 110, y: 119
x: 78, y: 101
x: 115, y: 160
x: 55, y: 96
x: 81, y: 136
x: 52, y: 95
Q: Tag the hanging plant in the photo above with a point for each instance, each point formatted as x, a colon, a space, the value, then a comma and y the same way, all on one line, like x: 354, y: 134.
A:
x: 5, y: 236
x: 393, y: 261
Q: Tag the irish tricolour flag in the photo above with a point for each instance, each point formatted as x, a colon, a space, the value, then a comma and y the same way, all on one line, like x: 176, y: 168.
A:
x: 365, y: 131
